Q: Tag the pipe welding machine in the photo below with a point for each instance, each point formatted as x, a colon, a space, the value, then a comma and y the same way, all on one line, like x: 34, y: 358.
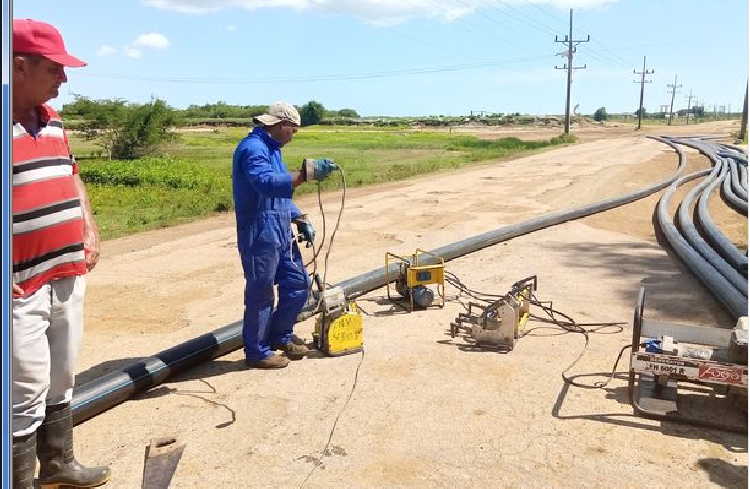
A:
x: 412, y: 279
x: 497, y: 325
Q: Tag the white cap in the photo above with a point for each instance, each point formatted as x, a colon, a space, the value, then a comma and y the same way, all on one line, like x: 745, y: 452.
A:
x: 277, y: 112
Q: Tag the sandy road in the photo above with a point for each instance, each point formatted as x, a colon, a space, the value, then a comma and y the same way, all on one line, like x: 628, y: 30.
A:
x: 427, y: 412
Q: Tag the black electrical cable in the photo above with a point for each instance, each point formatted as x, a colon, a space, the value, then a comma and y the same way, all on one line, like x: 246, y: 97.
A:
x: 324, y: 452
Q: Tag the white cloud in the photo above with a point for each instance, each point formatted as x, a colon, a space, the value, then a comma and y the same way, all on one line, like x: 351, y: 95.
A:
x: 152, y: 40
x: 378, y: 12
x: 106, y: 50
x: 132, y: 52
x: 231, y: 28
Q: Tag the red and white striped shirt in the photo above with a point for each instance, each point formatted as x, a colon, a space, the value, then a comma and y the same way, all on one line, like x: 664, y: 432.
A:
x: 47, y: 216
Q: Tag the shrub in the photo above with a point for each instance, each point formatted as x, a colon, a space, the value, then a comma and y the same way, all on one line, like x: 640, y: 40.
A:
x: 600, y: 114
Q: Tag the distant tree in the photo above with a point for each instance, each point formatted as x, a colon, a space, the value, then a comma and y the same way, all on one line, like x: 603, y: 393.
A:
x: 312, y: 113
x: 600, y: 114
x: 348, y: 113
x: 645, y: 112
x: 698, y: 111
x: 145, y: 129
x: 126, y: 131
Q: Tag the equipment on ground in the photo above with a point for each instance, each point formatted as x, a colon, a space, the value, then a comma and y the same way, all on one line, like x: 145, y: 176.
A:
x: 412, y: 279
x: 160, y: 462
x: 666, y: 354
x: 498, y: 323
x: 339, y: 327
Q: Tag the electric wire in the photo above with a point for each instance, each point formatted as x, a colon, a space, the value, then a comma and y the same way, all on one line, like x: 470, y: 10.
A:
x: 333, y: 236
x: 325, y: 452
x: 323, y: 77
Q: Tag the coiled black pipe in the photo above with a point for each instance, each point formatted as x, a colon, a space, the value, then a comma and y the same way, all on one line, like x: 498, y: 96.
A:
x: 724, y: 291
x: 111, y: 389
x: 737, y: 188
x: 718, y: 239
x: 696, y: 241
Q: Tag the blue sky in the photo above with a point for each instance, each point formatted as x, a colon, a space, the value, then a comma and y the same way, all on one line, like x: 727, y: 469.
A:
x: 401, y: 57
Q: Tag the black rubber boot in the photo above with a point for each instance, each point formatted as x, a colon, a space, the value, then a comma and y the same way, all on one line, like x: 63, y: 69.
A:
x: 24, y: 461
x: 58, y: 466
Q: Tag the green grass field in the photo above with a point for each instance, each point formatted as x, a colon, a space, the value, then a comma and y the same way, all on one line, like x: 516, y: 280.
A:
x: 193, y: 176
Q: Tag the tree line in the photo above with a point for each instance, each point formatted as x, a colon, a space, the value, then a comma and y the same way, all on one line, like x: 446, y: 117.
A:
x: 127, y: 131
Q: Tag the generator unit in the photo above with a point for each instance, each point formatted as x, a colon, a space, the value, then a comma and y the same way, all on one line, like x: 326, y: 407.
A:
x: 413, y: 278
x: 497, y: 325
x: 665, y: 356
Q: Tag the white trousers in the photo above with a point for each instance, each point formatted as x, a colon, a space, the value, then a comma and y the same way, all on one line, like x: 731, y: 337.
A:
x: 47, y: 329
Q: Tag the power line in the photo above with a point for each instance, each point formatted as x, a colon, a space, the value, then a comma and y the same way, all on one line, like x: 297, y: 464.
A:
x: 687, y: 114
x: 315, y: 78
x: 642, y: 82
x: 602, y: 56
x: 673, y: 87
x: 569, y: 66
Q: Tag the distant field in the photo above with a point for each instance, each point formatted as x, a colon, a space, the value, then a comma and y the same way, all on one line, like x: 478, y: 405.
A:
x: 193, y: 176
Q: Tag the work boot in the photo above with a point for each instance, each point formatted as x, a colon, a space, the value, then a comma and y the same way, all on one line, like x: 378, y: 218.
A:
x: 271, y: 361
x: 58, y: 466
x: 293, y: 350
x: 24, y: 461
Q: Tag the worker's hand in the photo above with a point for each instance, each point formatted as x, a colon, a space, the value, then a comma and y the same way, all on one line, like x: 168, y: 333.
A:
x: 91, y: 247
x: 306, y: 229
x: 17, y: 290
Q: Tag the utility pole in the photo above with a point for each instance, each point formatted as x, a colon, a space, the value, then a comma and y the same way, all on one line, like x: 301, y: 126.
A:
x: 569, y: 66
x: 642, y: 82
x: 687, y: 114
x: 743, y: 126
x: 673, y: 87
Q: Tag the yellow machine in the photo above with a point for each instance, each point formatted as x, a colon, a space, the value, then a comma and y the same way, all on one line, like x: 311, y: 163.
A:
x: 412, y: 278
x: 339, y: 327
x: 499, y: 324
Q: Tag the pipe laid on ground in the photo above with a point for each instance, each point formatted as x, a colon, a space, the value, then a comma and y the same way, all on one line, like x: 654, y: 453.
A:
x: 737, y: 187
x: 111, y: 389
x: 732, y: 299
x: 721, y: 243
x: 685, y: 218
x: 731, y: 198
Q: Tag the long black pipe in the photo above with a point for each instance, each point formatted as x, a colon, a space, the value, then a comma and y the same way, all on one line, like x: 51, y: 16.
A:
x: 111, y: 389
x: 724, y: 291
x: 685, y: 218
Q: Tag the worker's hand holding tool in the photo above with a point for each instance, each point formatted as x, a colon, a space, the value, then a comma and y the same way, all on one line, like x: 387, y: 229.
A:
x: 306, y: 229
x: 317, y: 169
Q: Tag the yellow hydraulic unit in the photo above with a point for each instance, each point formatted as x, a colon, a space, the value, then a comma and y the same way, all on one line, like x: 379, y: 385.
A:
x: 413, y: 277
x: 339, y: 327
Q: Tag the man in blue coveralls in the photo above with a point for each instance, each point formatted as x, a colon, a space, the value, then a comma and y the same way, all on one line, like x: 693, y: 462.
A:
x: 262, y: 189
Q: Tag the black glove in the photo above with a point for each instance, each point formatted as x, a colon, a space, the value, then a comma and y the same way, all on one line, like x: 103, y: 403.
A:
x: 305, y: 229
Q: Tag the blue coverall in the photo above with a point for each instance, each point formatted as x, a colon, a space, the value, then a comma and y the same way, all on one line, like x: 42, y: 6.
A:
x: 262, y: 190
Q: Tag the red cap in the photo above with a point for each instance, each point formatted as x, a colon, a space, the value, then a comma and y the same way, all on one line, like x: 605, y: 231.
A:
x: 34, y: 37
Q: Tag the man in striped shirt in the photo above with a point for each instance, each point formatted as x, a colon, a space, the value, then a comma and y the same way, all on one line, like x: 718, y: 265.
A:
x: 55, y: 242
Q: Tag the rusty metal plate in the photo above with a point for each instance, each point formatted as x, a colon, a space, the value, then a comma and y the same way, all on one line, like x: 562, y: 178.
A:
x: 160, y: 462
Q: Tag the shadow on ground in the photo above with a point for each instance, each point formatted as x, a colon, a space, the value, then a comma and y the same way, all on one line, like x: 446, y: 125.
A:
x: 695, y: 396
x: 673, y: 292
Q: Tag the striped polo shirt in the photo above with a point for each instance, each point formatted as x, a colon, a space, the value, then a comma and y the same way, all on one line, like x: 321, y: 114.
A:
x: 47, y: 217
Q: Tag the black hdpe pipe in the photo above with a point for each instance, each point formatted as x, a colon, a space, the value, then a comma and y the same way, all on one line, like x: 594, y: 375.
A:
x: 107, y: 391
x: 724, y: 291
x: 685, y: 218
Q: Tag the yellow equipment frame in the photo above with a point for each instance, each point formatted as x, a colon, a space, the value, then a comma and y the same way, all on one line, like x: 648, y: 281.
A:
x: 416, y: 274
